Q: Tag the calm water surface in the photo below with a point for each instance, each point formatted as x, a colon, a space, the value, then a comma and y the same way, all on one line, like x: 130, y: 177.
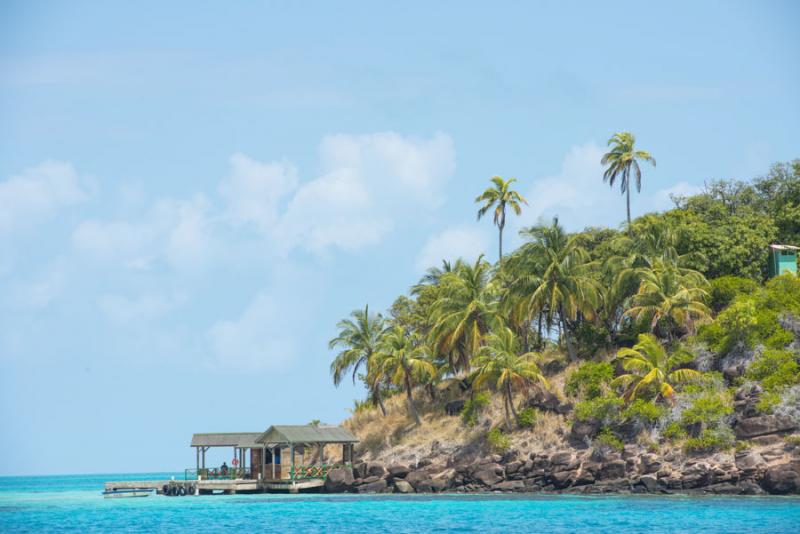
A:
x: 74, y: 503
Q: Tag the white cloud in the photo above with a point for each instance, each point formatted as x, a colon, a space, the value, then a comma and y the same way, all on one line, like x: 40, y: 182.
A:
x: 369, y: 183
x: 253, y: 190
x: 178, y: 231
x: 662, y: 199
x: 261, y: 338
x: 452, y: 244
x: 38, y: 193
x: 146, y: 307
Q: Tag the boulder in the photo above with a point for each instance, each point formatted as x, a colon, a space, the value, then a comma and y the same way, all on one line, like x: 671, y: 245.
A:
x: 563, y: 479
x: 583, y: 431
x: 416, y: 477
x: 375, y: 469
x: 509, y: 485
x: 401, y: 486
x: 399, y: 471
x: 561, y: 458
x: 749, y: 462
x: 763, y: 425
x: 379, y: 486
x: 454, y: 407
x: 649, y: 482
x: 513, y: 467
x: 613, y: 469
x: 488, y: 475
x: 782, y: 479
x: 339, y: 480
x: 736, y: 361
x: 549, y: 402
x: 360, y: 470
x: 649, y: 463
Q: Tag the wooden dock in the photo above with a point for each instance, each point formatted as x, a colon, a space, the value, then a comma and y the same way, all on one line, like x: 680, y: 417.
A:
x: 227, y: 486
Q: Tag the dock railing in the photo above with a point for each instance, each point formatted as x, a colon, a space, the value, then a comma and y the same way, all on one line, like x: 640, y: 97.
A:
x: 300, y: 472
x: 215, y: 473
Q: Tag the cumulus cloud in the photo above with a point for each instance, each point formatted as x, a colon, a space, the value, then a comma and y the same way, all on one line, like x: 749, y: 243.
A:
x: 38, y: 193
x: 177, y: 231
x: 452, y: 244
x: 368, y: 183
x: 253, y: 190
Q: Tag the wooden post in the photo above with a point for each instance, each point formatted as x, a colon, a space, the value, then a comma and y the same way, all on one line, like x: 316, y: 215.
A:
x: 197, y: 453
x: 273, y: 463
x: 291, y: 455
x: 321, y: 453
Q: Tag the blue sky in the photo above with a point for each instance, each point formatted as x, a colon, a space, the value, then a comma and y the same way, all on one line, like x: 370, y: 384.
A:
x: 191, y: 195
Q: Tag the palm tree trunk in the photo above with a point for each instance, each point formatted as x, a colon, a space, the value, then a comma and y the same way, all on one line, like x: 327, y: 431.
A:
x: 628, y: 194
x: 500, y: 256
x: 411, y: 408
x: 505, y: 411
x: 565, y: 331
x: 376, y: 395
x: 511, y: 400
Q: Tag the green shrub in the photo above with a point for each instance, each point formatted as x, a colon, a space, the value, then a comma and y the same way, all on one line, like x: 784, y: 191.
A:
x: 604, y: 409
x: 607, y: 438
x: 498, y: 441
x: 710, y: 440
x: 527, y: 418
x: 674, y: 431
x: 590, y: 379
x: 793, y: 440
x: 644, y: 411
x: 725, y: 288
x: 473, y: 407
x: 768, y: 401
x: 743, y: 445
x: 709, y: 409
x: 775, y: 369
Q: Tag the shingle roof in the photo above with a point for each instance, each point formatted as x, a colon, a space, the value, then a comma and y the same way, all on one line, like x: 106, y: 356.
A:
x: 306, y: 434
x: 226, y: 439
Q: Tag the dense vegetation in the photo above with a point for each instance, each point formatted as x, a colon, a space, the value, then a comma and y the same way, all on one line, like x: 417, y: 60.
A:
x: 647, y: 319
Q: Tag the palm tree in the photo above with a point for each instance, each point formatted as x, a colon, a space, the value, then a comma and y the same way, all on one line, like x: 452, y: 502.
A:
x: 463, y: 312
x: 669, y: 297
x: 359, y: 337
x: 403, y: 360
x: 565, y: 289
x: 621, y: 160
x: 499, y: 197
x: 499, y: 361
x: 651, y: 369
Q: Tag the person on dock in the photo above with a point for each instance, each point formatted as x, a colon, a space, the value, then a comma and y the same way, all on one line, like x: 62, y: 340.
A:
x: 224, y: 469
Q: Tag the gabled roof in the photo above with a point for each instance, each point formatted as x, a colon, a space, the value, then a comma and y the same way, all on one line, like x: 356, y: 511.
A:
x: 784, y: 247
x: 306, y: 434
x: 226, y: 439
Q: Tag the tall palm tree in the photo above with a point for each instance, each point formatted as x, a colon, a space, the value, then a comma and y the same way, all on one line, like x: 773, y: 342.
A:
x: 464, y: 310
x: 565, y: 290
x: 651, y: 370
x: 622, y: 160
x: 359, y: 337
x: 500, y: 197
x: 670, y: 297
x: 402, y: 358
x: 499, y: 361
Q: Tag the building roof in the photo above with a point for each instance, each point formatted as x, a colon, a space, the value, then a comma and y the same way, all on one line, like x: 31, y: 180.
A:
x: 306, y: 434
x: 784, y: 247
x: 226, y: 439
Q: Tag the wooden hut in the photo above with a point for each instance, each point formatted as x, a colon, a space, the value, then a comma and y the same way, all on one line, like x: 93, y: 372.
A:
x: 782, y: 259
x: 298, y: 452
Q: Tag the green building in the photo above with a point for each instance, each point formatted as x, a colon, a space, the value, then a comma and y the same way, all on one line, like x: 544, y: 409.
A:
x: 782, y: 259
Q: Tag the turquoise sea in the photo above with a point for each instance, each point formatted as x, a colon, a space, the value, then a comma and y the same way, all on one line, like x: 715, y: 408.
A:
x: 74, y: 503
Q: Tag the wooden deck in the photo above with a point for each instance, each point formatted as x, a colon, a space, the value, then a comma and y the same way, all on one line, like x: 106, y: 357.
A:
x: 225, y: 486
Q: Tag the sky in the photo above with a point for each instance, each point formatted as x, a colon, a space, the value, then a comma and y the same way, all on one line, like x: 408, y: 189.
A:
x: 192, y: 194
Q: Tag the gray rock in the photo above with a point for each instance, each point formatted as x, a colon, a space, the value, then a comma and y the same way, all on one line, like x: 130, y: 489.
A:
x: 649, y: 463
x: 339, y: 480
x: 749, y: 462
x: 379, y: 486
x: 513, y: 467
x: 401, y: 486
x: 724, y: 488
x: 583, y: 431
x: 612, y: 470
x: 360, y: 470
x: 509, y: 485
x: 561, y: 458
x: 763, y: 425
x: 454, y: 407
x: 649, y: 482
x: 399, y: 471
x: 782, y: 479
x: 375, y: 469
x: 488, y: 475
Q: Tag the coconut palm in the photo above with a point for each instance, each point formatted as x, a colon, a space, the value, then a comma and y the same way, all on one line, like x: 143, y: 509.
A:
x: 500, y: 197
x: 565, y: 290
x: 500, y: 362
x: 622, y: 160
x: 651, y: 370
x: 403, y: 360
x: 464, y: 310
x: 358, y: 338
x: 670, y: 297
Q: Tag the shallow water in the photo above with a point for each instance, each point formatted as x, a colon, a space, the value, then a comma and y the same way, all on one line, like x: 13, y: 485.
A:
x: 74, y: 503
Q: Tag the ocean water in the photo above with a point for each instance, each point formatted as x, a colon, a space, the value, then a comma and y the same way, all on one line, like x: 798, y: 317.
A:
x: 74, y: 504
